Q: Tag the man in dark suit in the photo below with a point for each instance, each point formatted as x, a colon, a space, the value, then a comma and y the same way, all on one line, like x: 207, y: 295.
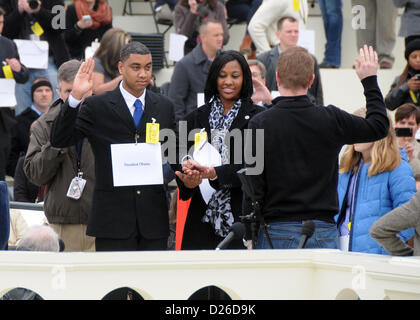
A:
x: 127, y: 217
x: 288, y: 34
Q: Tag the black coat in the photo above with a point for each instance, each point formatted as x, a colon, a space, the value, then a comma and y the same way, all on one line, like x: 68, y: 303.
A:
x: 117, y: 212
x: 197, y: 234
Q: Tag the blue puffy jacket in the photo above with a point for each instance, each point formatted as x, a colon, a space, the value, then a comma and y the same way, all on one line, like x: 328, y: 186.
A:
x: 376, y: 196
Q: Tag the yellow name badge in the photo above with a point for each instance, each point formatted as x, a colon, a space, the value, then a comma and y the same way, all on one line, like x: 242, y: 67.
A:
x: 37, y: 29
x: 199, y: 137
x: 152, y: 132
x: 7, y: 71
x: 296, y: 5
x: 349, y: 226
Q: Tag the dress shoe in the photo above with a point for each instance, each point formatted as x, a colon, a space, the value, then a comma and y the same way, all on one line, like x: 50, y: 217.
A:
x: 326, y: 65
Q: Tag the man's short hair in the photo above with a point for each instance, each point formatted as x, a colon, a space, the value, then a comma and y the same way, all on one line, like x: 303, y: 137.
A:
x: 283, y: 19
x: 405, y: 111
x: 134, y: 47
x: 2, y: 12
x: 295, y: 68
x: 205, y: 23
x: 260, y: 65
x: 68, y: 70
x: 39, y: 238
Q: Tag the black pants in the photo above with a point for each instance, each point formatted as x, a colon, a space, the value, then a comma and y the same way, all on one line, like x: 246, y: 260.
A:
x: 137, y: 243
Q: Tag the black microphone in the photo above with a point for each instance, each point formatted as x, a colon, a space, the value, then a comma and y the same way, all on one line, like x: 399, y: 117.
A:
x: 237, y: 232
x: 307, y: 231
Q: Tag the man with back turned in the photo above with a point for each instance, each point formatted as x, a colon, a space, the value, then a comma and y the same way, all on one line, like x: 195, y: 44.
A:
x: 301, y: 146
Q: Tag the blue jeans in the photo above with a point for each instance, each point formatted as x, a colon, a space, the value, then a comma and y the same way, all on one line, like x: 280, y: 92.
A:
x: 286, y: 235
x: 333, y: 25
x: 23, y: 90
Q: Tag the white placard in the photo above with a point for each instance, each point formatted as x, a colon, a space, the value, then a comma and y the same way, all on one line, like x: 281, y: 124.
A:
x: 33, y: 54
x: 207, y: 155
x: 307, y: 40
x: 200, y: 99
x: 176, y: 46
x: 7, y: 93
x: 136, y: 164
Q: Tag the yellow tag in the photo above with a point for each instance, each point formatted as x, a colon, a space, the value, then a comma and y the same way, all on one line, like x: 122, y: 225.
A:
x: 413, y: 96
x: 8, y: 73
x: 296, y: 5
x: 199, y: 137
x: 349, y: 225
x: 152, y: 132
x: 37, y: 29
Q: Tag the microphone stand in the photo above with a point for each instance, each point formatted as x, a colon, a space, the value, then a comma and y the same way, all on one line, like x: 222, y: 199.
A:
x: 256, y: 215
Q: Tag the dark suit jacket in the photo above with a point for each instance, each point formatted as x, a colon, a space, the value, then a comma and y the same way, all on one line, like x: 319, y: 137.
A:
x: 105, y: 120
x: 270, y: 60
x: 197, y: 234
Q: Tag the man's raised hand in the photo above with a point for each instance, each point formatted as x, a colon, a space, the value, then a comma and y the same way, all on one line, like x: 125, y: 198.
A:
x: 83, y: 82
x: 367, y: 64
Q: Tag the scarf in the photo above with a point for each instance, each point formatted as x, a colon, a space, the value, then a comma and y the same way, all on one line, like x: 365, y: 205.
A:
x: 102, y: 15
x: 219, y: 211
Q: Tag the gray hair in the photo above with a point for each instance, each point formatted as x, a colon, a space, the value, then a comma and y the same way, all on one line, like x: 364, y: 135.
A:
x: 68, y: 70
x: 259, y: 64
x: 39, y: 238
x: 134, y: 47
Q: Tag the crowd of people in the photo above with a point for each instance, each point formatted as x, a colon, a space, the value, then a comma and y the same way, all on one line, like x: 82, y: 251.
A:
x: 58, y: 143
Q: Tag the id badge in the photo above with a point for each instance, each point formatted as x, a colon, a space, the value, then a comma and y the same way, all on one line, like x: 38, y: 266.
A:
x: 152, y: 132
x: 37, y: 29
x: 199, y: 138
x: 7, y: 71
x: 76, y: 187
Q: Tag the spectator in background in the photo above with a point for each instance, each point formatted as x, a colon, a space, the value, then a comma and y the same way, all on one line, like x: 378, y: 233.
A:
x: 58, y: 167
x: 408, y: 116
x: 190, y: 73
x: 19, y: 19
x: 261, y: 96
x: 386, y: 230
x: 190, y: 14
x: 374, y: 179
x: 42, y: 96
x: 406, y: 87
x: 379, y: 30
x: 86, y: 20
x: 410, y: 26
x: 243, y: 10
x: 288, y: 35
x: 333, y: 27
x: 8, y: 54
x: 263, y: 25
x: 106, y: 76
x: 39, y: 238
x: 228, y: 106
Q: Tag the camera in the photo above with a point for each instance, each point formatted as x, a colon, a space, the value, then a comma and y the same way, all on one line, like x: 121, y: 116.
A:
x: 417, y: 76
x: 33, y: 4
x: 404, y: 132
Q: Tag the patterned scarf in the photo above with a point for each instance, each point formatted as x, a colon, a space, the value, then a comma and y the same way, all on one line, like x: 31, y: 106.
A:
x: 219, y: 212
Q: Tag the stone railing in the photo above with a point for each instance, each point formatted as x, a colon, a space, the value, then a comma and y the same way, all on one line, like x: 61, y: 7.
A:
x: 242, y: 274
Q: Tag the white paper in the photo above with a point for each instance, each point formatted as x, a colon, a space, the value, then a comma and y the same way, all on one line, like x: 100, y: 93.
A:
x: 33, y: 54
x: 176, y: 46
x: 207, y: 155
x: 200, y: 99
x: 136, y: 164
x: 7, y: 93
x: 307, y: 40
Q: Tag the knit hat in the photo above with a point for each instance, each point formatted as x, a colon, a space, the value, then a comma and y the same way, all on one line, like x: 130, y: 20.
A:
x: 42, y: 83
x: 413, y: 45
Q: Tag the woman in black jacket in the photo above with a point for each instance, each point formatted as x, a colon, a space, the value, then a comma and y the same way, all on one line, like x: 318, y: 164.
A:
x: 406, y: 87
x: 228, y: 107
